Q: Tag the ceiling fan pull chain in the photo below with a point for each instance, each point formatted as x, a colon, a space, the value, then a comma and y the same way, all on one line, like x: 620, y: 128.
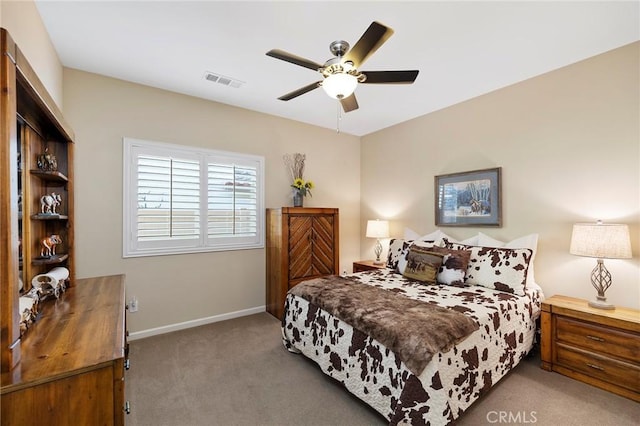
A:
x: 338, y: 116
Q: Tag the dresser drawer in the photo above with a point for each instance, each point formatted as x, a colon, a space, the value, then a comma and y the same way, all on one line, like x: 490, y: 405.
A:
x: 599, y: 339
x: 621, y: 373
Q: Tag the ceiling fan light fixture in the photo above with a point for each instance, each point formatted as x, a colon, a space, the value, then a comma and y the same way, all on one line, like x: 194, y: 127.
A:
x: 340, y: 86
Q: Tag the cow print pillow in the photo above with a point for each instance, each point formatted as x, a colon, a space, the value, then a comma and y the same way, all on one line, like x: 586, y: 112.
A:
x: 498, y: 268
x: 454, y: 265
x: 397, y: 247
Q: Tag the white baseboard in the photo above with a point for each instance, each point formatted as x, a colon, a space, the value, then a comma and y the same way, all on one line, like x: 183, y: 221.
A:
x: 195, y: 323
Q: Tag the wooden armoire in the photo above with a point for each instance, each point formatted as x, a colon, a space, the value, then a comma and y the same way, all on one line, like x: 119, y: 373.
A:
x: 302, y: 243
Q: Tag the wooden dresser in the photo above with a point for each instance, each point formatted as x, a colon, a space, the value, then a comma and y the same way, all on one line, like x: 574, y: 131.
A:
x: 595, y: 346
x: 302, y: 243
x: 73, y: 360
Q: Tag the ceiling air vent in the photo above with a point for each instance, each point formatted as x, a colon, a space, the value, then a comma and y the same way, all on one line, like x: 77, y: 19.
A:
x: 224, y: 80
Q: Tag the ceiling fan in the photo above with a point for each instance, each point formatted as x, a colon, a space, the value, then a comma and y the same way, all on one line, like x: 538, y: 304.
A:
x: 341, y: 75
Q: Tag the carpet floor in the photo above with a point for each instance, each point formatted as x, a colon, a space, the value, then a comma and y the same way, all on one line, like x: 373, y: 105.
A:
x: 237, y: 372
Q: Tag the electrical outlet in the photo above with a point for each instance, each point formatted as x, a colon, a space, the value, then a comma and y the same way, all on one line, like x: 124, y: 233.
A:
x: 133, y: 305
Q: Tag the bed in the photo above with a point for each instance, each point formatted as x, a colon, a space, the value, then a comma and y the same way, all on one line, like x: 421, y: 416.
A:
x: 379, y: 369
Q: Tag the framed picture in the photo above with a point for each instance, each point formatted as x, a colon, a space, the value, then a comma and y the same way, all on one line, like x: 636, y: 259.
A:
x: 469, y: 198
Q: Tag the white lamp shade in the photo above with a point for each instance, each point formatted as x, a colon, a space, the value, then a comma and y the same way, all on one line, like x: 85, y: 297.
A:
x: 340, y: 86
x: 601, y: 240
x: 377, y: 229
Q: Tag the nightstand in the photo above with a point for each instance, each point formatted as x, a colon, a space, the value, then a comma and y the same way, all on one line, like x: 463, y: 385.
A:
x: 595, y: 346
x: 366, y: 265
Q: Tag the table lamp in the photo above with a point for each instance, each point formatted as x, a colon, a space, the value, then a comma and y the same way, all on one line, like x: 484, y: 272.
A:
x: 378, y: 229
x: 602, y: 241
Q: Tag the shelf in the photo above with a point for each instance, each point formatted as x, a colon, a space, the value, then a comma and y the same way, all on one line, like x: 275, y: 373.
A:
x: 58, y: 258
x: 49, y: 176
x: 41, y: 216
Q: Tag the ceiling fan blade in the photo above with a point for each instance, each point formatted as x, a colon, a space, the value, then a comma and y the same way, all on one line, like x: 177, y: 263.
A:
x: 370, y: 41
x: 390, y: 77
x: 288, y: 57
x: 349, y: 103
x: 300, y: 91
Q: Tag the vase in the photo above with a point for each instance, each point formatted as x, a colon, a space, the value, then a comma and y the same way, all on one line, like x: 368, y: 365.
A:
x: 298, y: 198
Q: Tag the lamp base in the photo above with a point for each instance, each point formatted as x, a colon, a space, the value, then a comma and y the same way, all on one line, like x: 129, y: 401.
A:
x: 601, y: 281
x: 601, y: 304
x: 378, y: 251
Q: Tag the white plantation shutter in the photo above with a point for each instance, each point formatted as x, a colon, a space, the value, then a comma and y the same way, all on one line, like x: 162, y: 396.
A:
x: 168, y: 199
x: 179, y: 199
x: 233, y: 200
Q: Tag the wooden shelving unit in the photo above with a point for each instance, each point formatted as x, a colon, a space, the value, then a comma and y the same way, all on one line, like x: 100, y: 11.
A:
x: 31, y: 126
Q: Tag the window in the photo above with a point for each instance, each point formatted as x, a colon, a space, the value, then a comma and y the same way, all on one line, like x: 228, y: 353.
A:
x: 179, y: 199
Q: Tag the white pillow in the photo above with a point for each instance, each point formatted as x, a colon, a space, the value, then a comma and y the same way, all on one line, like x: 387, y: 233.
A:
x: 438, y: 236
x: 471, y: 241
x: 410, y: 234
x: 528, y: 241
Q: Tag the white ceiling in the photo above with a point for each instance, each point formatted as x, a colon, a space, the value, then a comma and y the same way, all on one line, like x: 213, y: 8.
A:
x: 462, y: 49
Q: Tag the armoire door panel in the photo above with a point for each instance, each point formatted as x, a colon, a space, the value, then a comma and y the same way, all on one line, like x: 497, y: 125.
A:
x: 299, y: 227
x: 323, y: 228
x: 300, y: 247
x: 300, y: 267
x: 323, y: 247
x: 320, y: 266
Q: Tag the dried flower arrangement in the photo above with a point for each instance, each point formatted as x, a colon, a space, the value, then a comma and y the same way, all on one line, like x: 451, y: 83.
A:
x: 295, y: 165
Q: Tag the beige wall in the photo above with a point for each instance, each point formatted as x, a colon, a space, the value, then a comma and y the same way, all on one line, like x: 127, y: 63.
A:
x: 176, y: 289
x: 568, y: 143
x: 22, y: 20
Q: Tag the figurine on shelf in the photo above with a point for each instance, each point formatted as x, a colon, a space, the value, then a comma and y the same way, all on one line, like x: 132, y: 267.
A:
x: 49, y: 245
x: 52, y: 283
x: 49, y: 203
x: 47, y: 162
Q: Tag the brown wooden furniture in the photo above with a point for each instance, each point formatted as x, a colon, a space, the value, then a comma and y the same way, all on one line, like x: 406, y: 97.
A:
x: 595, y: 346
x: 31, y: 122
x: 73, y: 360
x: 367, y: 265
x: 302, y: 243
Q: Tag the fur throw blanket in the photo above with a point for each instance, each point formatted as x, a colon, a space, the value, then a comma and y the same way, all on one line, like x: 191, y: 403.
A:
x: 413, y: 330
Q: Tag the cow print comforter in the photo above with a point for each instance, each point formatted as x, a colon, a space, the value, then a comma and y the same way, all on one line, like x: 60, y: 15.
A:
x: 450, y: 382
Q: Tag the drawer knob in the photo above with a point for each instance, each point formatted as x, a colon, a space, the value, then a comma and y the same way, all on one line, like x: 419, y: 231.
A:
x: 597, y: 339
x: 596, y: 367
x: 127, y: 407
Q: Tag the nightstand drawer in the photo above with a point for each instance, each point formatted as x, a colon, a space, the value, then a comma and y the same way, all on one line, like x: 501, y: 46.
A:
x: 621, y: 373
x: 595, y: 338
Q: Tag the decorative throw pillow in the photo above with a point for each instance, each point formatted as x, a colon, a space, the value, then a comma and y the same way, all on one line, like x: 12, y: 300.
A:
x: 402, y: 259
x: 422, y: 264
x: 454, y: 265
x: 498, y: 268
x: 528, y: 241
x: 396, y: 248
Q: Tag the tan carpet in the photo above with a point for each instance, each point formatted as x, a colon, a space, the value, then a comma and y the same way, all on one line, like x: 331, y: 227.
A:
x: 237, y: 372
